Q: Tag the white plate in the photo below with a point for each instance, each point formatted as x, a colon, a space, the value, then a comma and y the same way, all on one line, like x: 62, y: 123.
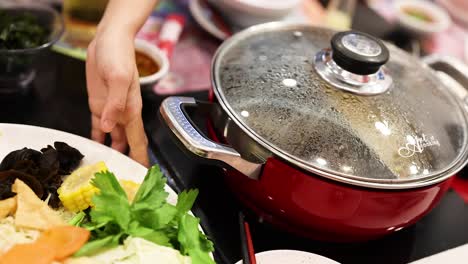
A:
x: 14, y: 136
x: 290, y: 257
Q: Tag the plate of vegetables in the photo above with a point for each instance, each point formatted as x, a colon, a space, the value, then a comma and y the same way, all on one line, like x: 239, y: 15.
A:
x: 67, y: 199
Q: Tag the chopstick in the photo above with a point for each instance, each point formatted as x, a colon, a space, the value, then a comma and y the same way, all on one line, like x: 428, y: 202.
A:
x: 248, y: 253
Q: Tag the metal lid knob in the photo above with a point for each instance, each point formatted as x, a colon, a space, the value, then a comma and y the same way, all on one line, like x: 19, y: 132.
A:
x: 358, y: 52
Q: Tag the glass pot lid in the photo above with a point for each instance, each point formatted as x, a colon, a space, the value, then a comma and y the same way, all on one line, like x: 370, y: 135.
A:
x: 344, y: 105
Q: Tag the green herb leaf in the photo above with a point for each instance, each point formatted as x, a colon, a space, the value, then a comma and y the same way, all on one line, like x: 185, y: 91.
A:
x: 158, y: 237
x: 92, y: 226
x: 185, y: 201
x: 191, y: 238
x: 151, y: 193
x: 206, y: 244
x: 107, y: 183
x: 155, y: 218
x: 149, y: 217
x: 77, y: 219
x: 95, y: 246
x: 111, y: 203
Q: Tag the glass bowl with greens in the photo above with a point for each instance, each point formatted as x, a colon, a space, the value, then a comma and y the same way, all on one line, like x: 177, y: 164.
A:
x: 26, y: 34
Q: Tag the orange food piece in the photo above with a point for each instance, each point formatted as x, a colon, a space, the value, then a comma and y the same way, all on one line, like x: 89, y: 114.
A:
x: 56, y: 243
x: 31, y: 253
x: 65, y: 240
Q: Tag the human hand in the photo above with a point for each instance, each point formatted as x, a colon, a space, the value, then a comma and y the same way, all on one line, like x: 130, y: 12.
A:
x: 114, y: 92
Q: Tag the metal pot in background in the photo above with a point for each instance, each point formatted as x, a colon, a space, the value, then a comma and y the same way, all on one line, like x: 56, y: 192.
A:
x: 335, y: 136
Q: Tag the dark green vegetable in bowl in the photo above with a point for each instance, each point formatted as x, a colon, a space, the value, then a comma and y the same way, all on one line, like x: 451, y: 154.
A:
x: 21, y: 31
x: 27, y: 32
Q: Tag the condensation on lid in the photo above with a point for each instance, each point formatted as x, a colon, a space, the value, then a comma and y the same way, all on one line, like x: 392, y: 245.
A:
x: 267, y: 81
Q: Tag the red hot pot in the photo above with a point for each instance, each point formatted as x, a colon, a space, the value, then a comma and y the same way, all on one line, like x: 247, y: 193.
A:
x: 334, y: 136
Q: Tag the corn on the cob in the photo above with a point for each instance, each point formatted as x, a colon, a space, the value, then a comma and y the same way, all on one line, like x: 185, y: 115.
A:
x: 76, y: 191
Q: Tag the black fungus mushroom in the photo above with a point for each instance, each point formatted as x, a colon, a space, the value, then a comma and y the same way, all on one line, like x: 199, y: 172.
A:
x: 41, y: 170
x: 25, y: 154
x: 68, y: 157
x: 8, y: 177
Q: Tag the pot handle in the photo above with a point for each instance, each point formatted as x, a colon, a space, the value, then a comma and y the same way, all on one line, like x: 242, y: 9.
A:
x: 177, y: 121
x: 447, y: 67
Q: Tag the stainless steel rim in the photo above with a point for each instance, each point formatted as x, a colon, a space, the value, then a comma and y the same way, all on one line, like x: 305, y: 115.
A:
x: 431, y: 179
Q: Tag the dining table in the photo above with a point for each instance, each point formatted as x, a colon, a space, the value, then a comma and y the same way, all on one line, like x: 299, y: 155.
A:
x: 58, y: 99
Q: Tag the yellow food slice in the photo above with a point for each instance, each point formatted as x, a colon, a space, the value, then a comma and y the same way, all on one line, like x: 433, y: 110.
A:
x: 31, y: 211
x: 7, y: 207
x: 76, y: 191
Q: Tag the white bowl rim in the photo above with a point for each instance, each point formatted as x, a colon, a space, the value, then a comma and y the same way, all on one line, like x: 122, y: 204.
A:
x: 197, y: 13
x: 296, y: 255
x: 454, y: 12
x: 442, y: 18
x: 268, y: 4
x: 259, y: 7
x: 157, y: 55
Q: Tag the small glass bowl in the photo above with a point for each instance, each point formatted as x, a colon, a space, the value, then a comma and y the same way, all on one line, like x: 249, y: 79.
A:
x: 17, y: 66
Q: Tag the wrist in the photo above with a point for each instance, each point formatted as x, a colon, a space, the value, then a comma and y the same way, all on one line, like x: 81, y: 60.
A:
x: 127, y: 16
x: 121, y: 28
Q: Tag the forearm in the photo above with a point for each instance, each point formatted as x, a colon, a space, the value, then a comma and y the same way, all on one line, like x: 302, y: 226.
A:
x: 126, y: 15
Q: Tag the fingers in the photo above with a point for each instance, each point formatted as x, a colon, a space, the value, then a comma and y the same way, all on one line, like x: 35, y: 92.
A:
x: 134, y: 129
x: 94, y: 87
x: 137, y: 141
x: 96, y: 132
x: 115, y: 101
x: 90, y: 66
x: 93, y: 81
x: 119, y: 139
x: 118, y: 81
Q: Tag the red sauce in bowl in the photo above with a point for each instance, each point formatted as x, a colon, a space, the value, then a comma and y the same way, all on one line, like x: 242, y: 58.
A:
x: 145, y: 64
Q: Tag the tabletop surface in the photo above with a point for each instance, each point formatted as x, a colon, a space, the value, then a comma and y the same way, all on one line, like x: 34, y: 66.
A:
x: 58, y: 100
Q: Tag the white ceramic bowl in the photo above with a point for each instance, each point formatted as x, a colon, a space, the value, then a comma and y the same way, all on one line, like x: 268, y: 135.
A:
x: 152, y: 51
x: 441, y: 20
x: 202, y: 14
x: 244, y: 13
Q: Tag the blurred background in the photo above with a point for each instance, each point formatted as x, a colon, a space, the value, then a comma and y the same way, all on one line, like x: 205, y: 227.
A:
x: 421, y: 27
x: 42, y: 83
